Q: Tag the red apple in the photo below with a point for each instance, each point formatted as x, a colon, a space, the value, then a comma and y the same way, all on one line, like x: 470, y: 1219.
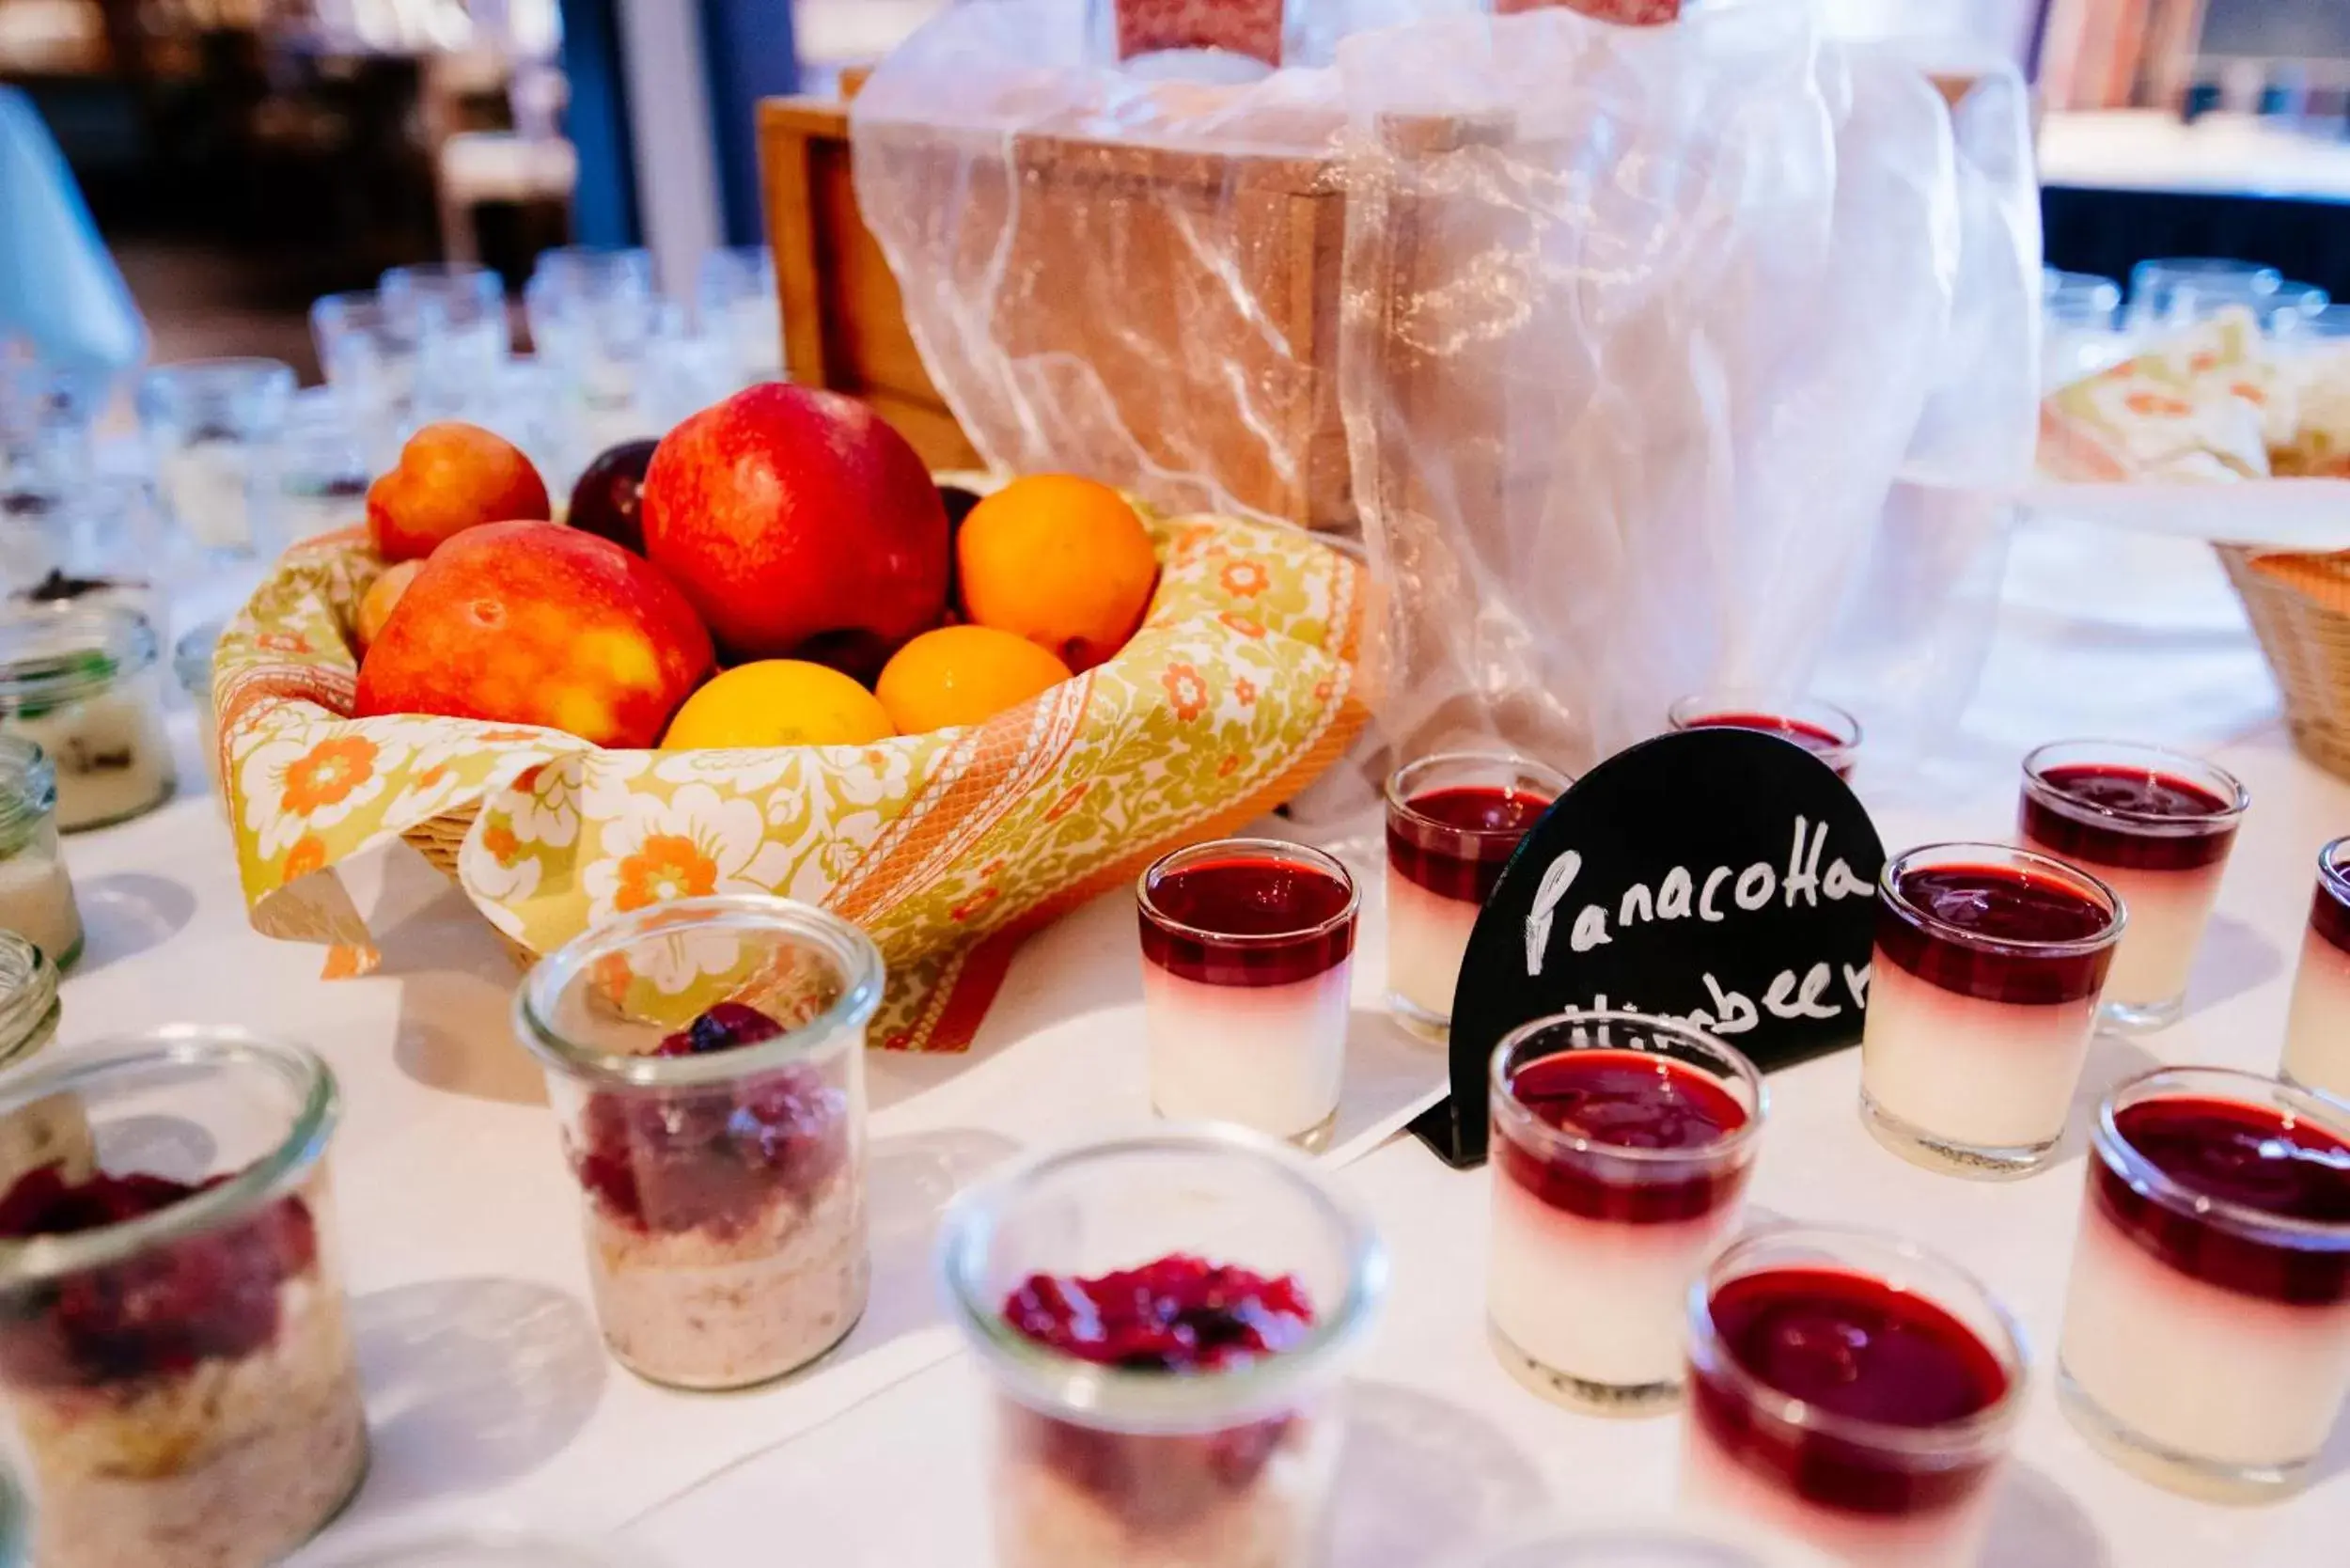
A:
x: 798, y: 523
x: 451, y: 477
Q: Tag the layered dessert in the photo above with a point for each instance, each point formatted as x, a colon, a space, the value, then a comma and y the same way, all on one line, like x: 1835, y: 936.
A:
x: 2206, y: 1336
x: 1983, y: 996
x: 2317, y: 1031
x: 1452, y: 824
x: 1247, y: 1495
x: 195, y: 1403
x: 1617, y: 1173
x: 1817, y: 1399
x: 726, y: 1222
x: 1821, y: 728
x: 2154, y: 828
x: 1247, y: 950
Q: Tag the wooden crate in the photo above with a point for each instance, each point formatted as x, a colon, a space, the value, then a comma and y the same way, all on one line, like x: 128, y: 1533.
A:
x: 1082, y: 200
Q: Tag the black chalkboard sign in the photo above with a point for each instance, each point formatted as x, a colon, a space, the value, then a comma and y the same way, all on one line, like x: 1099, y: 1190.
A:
x: 1726, y: 877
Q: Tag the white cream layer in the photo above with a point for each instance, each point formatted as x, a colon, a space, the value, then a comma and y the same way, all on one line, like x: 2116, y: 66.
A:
x: 1988, y: 1075
x: 1267, y: 1057
x: 2317, y: 1031
x: 1427, y: 935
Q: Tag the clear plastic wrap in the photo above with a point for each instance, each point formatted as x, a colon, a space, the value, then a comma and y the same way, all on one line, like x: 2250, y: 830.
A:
x: 1615, y: 340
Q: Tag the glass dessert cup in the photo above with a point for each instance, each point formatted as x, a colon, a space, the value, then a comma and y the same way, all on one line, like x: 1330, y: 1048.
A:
x: 1852, y: 1392
x: 1983, y: 997
x: 1453, y: 821
x: 1822, y: 729
x: 706, y: 1058
x: 1247, y: 955
x: 36, y: 895
x: 1621, y: 1146
x: 81, y: 681
x: 174, y: 1359
x: 2206, y: 1340
x: 1202, y: 1437
x: 2153, y: 826
x: 2317, y: 1030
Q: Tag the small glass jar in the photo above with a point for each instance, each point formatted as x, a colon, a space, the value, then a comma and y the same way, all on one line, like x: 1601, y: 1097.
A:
x: 1247, y: 962
x: 2317, y: 1030
x: 192, y: 662
x: 178, y: 1374
x: 1453, y: 821
x: 82, y: 683
x: 1621, y: 1147
x: 1144, y: 1463
x: 29, y: 1005
x: 213, y: 426
x: 36, y: 895
x: 706, y: 1058
x: 1822, y: 729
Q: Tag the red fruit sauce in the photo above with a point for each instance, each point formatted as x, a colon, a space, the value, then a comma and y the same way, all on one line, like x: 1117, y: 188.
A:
x: 1468, y: 835
x: 1997, y: 904
x: 715, y: 1158
x: 211, y: 1297
x: 2328, y: 915
x: 1821, y: 742
x: 1250, y: 897
x: 2249, y: 1156
x: 2117, y: 841
x: 1627, y: 1099
x: 1851, y: 1345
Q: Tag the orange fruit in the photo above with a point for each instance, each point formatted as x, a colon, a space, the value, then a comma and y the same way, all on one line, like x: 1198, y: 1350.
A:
x: 778, y: 702
x: 963, y: 674
x: 1059, y: 561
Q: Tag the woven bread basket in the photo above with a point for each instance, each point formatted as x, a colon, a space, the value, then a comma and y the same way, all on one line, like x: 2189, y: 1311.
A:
x: 439, y: 839
x: 2299, y: 607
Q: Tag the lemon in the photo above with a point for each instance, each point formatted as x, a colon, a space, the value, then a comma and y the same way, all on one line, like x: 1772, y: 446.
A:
x: 963, y: 674
x: 778, y: 702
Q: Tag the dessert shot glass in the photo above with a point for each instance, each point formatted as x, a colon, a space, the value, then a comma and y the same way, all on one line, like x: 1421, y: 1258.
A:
x: 1621, y: 1146
x: 212, y: 427
x: 82, y: 683
x: 2206, y: 1341
x: 1983, y: 997
x: 706, y: 1058
x: 36, y: 895
x: 1453, y: 821
x: 1850, y: 1391
x: 1247, y: 955
x: 175, y: 1356
x: 2317, y: 1030
x: 2153, y: 826
x: 1164, y: 1320
x: 1822, y: 729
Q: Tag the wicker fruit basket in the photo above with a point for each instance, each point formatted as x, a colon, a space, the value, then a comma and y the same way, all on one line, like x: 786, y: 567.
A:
x: 946, y: 847
x: 2299, y: 607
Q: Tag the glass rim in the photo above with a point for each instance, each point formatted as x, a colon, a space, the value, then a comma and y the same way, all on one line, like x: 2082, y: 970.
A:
x: 29, y: 1003
x: 1306, y: 854
x: 120, y: 641
x: 851, y: 951
x: 2037, y: 761
x: 29, y: 787
x: 1556, y: 1141
x: 1786, y: 1410
x: 212, y: 370
x: 1128, y: 1399
x: 196, y: 653
x: 1842, y: 722
x: 1398, y: 791
x: 319, y: 1107
x: 2095, y: 887
x: 2150, y: 1180
x: 2332, y: 873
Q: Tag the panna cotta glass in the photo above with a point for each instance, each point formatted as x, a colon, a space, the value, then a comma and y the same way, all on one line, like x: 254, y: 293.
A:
x: 2317, y: 1030
x: 1822, y: 729
x: 1620, y: 1150
x: 2206, y: 1342
x: 175, y: 1359
x: 1248, y: 958
x: 1983, y: 996
x: 2153, y: 826
x: 1453, y: 821
x: 1852, y: 1392
x: 706, y: 1058
x: 1165, y: 1320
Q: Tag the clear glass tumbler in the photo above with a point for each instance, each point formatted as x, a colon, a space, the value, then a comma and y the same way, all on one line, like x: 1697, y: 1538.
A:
x: 325, y: 464
x: 2317, y: 1030
x: 2172, y: 292
x: 1203, y: 1431
x: 706, y: 1058
x: 174, y: 1359
x: 1822, y: 729
x: 739, y: 307
x: 455, y: 313
x: 213, y: 426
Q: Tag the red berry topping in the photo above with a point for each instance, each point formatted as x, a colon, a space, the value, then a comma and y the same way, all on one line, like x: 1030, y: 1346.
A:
x: 1177, y: 1314
x: 685, y: 1159
x: 210, y: 1297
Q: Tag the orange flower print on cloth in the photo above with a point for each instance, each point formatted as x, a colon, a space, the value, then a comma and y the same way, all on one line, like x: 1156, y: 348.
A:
x: 1245, y: 692
x: 2157, y: 405
x: 329, y: 775
x: 1245, y: 579
x: 1068, y: 802
x: 693, y: 842
x: 1253, y: 630
x: 308, y: 854
x: 282, y: 642
x: 498, y: 839
x: 667, y: 869
x: 1187, y: 689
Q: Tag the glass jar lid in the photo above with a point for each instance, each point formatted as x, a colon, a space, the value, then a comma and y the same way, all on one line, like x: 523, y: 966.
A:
x: 29, y: 791
x: 54, y: 654
x: 29, y: 998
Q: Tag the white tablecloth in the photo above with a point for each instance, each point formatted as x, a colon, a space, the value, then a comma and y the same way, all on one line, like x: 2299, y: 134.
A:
x: 492, y: 1401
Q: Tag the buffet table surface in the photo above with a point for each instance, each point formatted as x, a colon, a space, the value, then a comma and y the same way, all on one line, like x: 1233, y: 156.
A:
x: 493, y: 1403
